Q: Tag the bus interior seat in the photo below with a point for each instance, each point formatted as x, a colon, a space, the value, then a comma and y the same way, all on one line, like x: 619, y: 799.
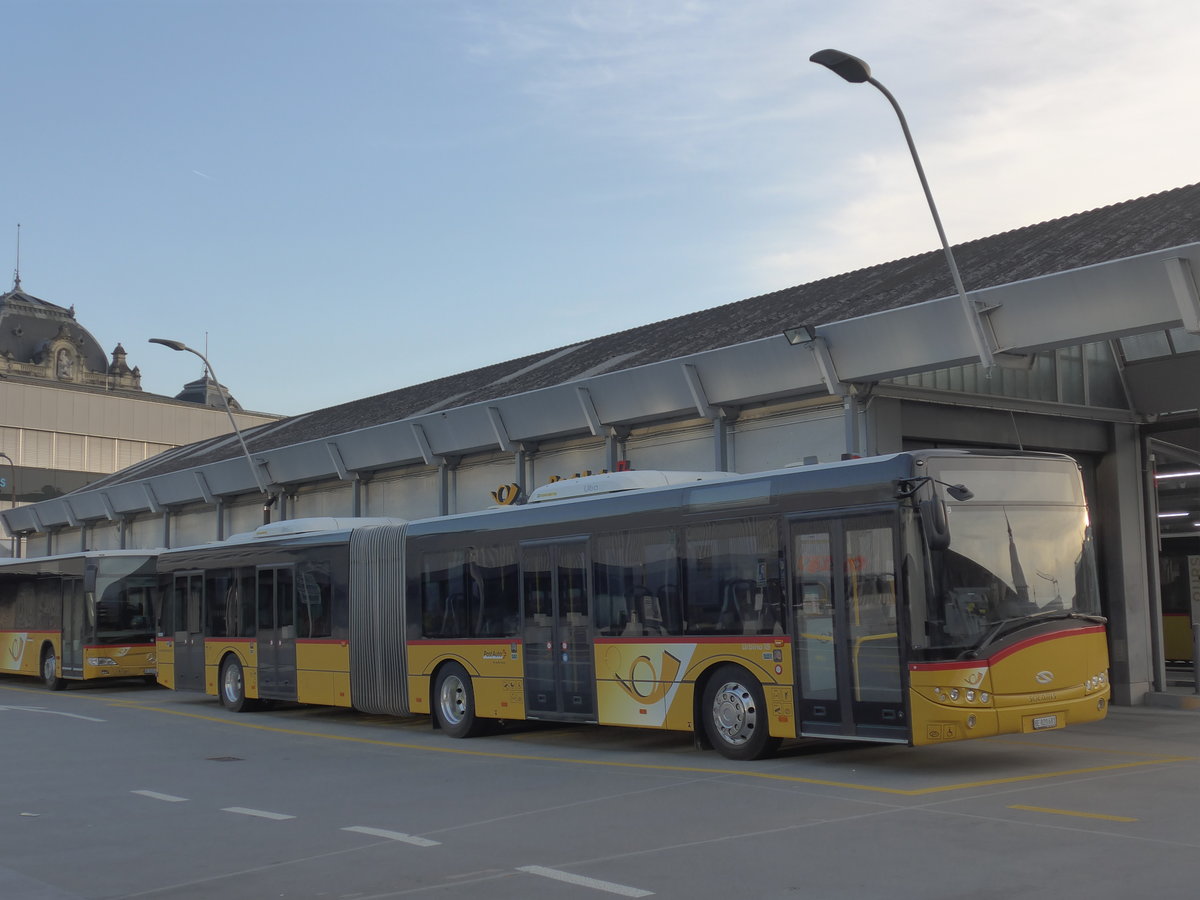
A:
x: 649, y: 610
x: 737, y: 606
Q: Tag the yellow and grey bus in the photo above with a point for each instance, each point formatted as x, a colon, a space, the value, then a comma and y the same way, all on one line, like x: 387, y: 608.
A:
x: 914, y: 598
x: 78, y: 616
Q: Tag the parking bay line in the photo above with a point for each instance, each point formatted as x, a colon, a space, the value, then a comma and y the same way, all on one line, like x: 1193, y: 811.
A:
x: 584, y: 881
x: 392, y: 835
x: 1081, y: 815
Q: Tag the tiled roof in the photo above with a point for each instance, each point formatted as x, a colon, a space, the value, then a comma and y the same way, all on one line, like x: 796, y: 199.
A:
x: 1167, y: 219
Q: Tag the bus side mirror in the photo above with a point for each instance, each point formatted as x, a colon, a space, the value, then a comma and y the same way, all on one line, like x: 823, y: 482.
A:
x: 933, y: 520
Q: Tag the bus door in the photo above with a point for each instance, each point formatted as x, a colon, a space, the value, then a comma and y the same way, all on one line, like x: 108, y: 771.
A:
x: 849, y: 668
x: 560, y: 678
x: 276, y: 633
x: 188, y: 598
x: 74, y: 627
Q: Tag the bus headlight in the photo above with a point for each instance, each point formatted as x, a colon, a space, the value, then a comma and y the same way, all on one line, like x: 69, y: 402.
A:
x: 101, y: 661
x: 970, y: 696
x: 953, y: 693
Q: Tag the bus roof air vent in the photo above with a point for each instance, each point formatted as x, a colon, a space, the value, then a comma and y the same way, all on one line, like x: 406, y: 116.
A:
x: 615, y: 482
x: 308, y: 525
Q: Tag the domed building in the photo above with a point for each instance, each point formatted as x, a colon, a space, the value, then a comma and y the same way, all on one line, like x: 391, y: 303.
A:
x: 44, y: 341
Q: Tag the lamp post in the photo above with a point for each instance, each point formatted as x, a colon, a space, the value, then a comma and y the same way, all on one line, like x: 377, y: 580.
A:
x: 12, y: 489
x: 854, y: 70
x: 179, y: 345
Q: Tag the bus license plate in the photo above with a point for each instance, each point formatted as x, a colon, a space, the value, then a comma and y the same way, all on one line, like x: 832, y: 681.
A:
x: 1040, y: 722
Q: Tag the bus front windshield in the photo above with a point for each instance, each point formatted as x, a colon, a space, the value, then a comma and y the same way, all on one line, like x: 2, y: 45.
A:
x: 1008, y: 564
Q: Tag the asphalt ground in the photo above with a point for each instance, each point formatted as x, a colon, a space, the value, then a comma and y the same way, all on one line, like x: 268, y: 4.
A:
x: 122, y: 791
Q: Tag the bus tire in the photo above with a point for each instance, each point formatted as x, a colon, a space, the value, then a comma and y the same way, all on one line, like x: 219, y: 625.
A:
x: 735, y: 715
x: 454, y: 703
x: 232, y: 685
x: 50, y: 670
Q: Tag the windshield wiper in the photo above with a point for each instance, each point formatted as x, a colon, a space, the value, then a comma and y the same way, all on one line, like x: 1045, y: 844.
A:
x: 1005, y: 626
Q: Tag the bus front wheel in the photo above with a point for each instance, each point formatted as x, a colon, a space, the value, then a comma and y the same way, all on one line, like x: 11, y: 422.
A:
x: 454, y: 703
x: 50, y: 670
x: 735, y: 715
x: 232, y: 686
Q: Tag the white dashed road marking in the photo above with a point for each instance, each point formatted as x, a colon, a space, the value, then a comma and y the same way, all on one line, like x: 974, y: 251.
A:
x: 260, y: 813
x: 583, y: 881
x: 155, y: 795
x: 392, y: 835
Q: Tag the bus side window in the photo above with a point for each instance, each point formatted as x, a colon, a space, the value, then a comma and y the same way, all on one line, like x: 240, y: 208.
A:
x: 312, y: 601
x: 670, y: 601
x: 492, y: 579
x: 443, y: 601
x: 634, y: 575
x: 216, y: 586
x: 248, y: 611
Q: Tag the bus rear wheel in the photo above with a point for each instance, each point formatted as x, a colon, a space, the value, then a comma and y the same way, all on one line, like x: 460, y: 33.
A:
x: 50, y: 670
x: 735, y: 715
x: 454, y: 703
x: 232, y: 686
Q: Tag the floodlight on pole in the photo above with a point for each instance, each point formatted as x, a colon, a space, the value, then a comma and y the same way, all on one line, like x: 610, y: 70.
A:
x: 179, y: 345
x: 856, y: 71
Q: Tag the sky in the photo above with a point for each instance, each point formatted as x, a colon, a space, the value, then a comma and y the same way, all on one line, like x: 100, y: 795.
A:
x: 338, y: 198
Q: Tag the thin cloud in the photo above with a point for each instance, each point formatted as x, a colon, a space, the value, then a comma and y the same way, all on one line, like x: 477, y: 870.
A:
x: 1021, y: 111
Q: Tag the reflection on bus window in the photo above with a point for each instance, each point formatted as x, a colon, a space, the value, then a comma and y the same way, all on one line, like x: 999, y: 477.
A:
x: 734, y: 578
x: 1005, y: 564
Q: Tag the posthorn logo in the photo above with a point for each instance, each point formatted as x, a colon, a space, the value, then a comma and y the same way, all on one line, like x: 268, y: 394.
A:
x: 1044, y: 677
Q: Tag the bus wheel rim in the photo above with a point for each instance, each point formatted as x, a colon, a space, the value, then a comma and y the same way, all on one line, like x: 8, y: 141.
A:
x: 233, y: 683
x: 49, y: 665
x: 734, y: 713
x: 453, y: 699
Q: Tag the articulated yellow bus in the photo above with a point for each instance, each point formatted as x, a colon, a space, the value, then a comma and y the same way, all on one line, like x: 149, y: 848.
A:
x: 78, y: 616
x: 915, y: 598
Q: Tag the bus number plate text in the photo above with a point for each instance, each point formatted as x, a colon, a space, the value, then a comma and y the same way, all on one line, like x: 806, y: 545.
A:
x: 1040, y: 722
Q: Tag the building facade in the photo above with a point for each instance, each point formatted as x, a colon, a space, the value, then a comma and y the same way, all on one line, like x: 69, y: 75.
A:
x: 71, y: 413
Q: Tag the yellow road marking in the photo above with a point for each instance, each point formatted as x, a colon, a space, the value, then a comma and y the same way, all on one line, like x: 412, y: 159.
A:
x: 1081, y: 815
x: 703, y: 770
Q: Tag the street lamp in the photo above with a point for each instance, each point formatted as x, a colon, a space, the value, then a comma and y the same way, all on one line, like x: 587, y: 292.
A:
x: 12, y: 487
x: 856, y: 71
x: 179, y: 345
